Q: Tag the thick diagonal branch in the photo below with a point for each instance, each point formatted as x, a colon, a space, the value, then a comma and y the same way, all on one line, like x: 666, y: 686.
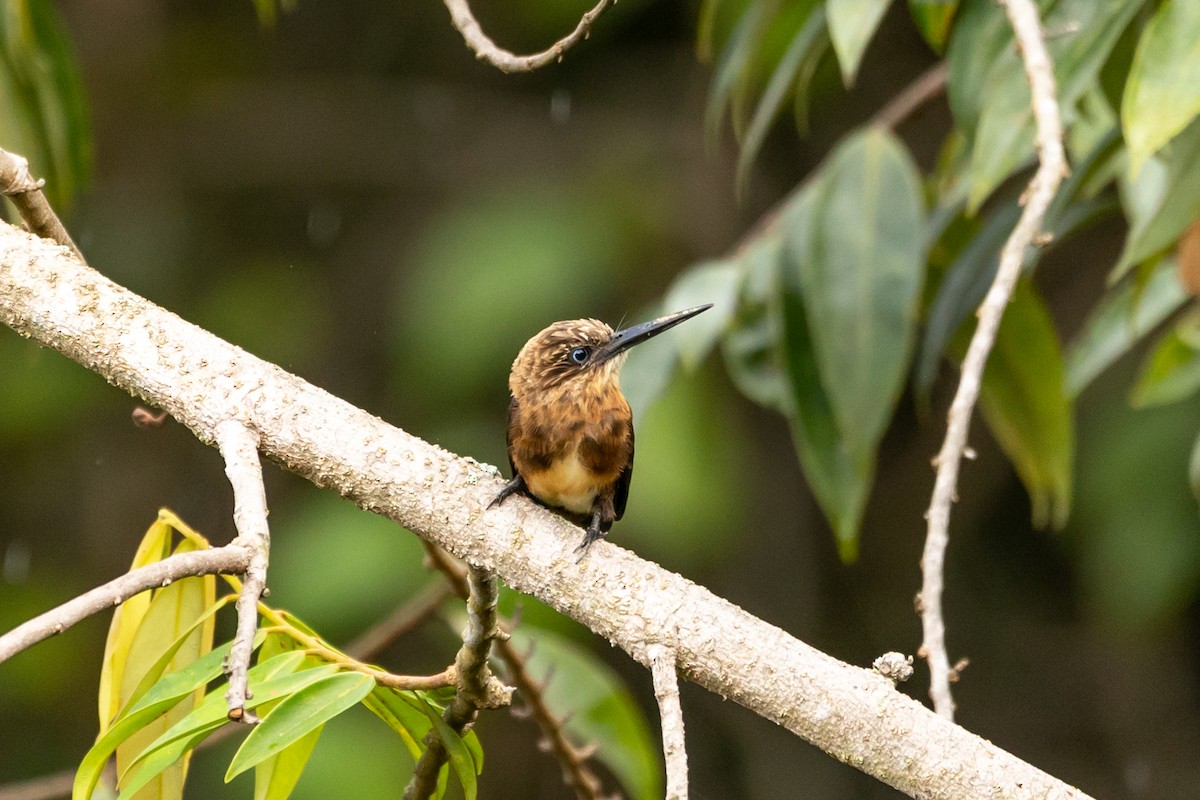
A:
x: 853, y: 714
x: 1051, y: 168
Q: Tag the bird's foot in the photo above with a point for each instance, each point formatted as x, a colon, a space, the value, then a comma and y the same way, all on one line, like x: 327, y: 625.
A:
x: 593, y: 533
x: 517, y: 484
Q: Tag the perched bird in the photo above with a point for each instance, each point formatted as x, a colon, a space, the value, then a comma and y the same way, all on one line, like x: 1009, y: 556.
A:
x: 570, y: 430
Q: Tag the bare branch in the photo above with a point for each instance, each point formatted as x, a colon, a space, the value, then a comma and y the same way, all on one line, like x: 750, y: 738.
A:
x: 1039, y: 69
x: 577, y: 773
x: 477, y: 687
x: 400, y: 622
x: 666, y: 691
x: 26, y: 194
x: 229, y: 560
x: 928, y: 85
x: 201, y: 380
x: 239, y: 447
x: 487, y: 50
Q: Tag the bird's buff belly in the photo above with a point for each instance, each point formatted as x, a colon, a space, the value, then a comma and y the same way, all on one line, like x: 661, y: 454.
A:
x: 567, y: 484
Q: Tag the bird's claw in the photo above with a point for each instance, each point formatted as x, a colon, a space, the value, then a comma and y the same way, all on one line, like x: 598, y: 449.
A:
x: 510, y: 488
x: 593, y: 533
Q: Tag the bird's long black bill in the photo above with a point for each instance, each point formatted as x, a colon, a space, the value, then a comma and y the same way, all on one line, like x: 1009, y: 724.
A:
x: 624, y: 339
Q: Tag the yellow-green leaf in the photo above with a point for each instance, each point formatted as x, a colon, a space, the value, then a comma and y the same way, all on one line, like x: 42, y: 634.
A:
x: 1162, y: 93
x: 852, y: 24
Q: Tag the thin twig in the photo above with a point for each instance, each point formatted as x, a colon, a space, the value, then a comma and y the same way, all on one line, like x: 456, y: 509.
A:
x: 239, y: 447
x: 26, y: 194
x: 577, y: 772
x: 1039, y: 69
x: 487, y: 50
x: 666, y: 691
x: 229, y: 560
x: 477, y: 687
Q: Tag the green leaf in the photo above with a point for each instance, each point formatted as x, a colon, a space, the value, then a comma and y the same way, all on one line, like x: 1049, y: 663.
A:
x: 852, y: 24
x: 734, y: 66
x: 397, y: 711
x: 1162, y: 200
x: 713, y: 282
x: 41, y: 92
x: 598, y: 708
x: 168, y: 691
x: 861, y: 275
x: 750, y: 348
x: 1005, y: 136
x: 804, y: 44
x: 840, y: 478
x: 933, y: 18
x: 981, y: 36
x: 1025, y: 403
x: 1162, y: 93
x: 275, y: 778
x: 155, y: 545
x: 1124, y: 315
x: 212, y: 712
x: 461, y: 760
x: 297, y: 716
x: 1171, y: 372
x: 172, y: 611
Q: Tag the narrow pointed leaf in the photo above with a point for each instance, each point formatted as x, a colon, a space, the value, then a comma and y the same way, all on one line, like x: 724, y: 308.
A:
x: 297, y: 716
x: 154, y: 546
x: 168, y: 691
x: 1162, y: 93
x: 211, y: 713
x: 784, y: 77
x: 1171, y: 371
x: 852, y: 24
x: 1024, y: 401
x: 840, y: 477
x: 734, y: 66
x: 861, y: 278
x: 981, y: 37
x: 276, y: 777
x: 400, y: 716
x: 933, y: 18
x: 461, y: 761
x: 1162, y: 200
x: 172, y: 611
x: 1126, y: 314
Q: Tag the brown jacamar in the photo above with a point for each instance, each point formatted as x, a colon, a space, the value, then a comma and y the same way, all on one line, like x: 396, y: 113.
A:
x: 570, y: 430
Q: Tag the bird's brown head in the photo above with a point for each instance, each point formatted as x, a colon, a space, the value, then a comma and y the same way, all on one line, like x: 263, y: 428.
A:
x: 574, y: 354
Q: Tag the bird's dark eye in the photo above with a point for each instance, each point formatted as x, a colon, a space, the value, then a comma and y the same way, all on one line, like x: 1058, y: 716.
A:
x: 580, y: 355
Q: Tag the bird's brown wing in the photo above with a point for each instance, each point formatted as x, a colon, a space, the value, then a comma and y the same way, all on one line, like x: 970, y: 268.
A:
x: 508, y: 434
x: 621, y: 491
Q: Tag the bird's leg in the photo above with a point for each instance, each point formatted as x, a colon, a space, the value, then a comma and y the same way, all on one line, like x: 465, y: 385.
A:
x: 595, y: 529
x: 517, y: 484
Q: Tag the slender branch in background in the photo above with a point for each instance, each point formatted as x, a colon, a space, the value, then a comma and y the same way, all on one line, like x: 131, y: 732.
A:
x: 929, y: 84
x: 487, y: 50
x: 233, y: 559
x: 1052, y: 167
x: 400, y: 622
x: 577, y: 773
x: 26, y: 194
x: 477, y: 687
x: 53, y: 298
x: 239, y: 447
x: 666, y: 691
